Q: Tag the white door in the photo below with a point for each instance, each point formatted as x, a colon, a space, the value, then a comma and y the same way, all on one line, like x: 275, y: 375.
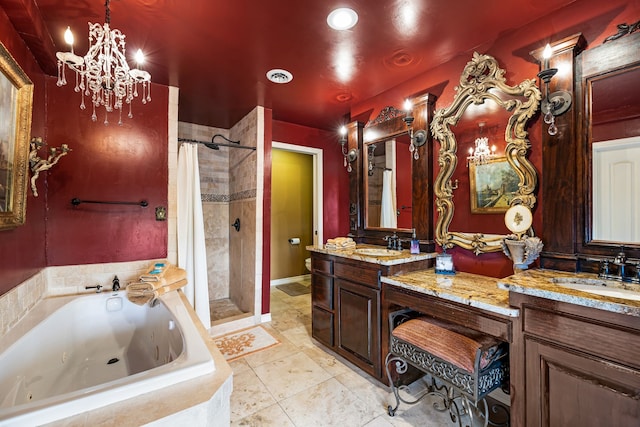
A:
x: 616, y: 190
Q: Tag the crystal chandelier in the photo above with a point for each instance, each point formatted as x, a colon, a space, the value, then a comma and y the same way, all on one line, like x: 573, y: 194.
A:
x: 481, y: 154
x: 103, y: 73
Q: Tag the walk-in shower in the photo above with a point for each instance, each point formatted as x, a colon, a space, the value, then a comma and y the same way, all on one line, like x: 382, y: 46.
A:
x: 228, y: 182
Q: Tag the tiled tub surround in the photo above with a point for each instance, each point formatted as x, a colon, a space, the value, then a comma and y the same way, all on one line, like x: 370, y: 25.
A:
x: 539, y: 283
x: 64, y: 280
x: 200, y: 401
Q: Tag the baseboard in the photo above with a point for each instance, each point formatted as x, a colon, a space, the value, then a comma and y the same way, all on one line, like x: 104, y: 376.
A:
x: 284, y: 280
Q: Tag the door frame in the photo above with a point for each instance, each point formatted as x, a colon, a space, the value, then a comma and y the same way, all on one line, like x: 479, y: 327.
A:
x: 318, y: 192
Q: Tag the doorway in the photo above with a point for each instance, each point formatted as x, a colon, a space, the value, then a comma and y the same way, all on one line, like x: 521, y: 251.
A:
x: 289, y: 237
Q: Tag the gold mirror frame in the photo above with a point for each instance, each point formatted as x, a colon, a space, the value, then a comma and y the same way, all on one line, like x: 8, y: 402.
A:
x: 22, y: 102
x: 482, y: 79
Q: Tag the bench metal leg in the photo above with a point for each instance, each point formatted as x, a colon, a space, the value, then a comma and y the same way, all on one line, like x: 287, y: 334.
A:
x: 457, y: 404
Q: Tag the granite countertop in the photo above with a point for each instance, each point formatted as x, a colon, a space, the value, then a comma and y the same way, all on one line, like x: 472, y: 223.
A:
x: 401, y: 258
x: 540, y: 283
x: 470, y: 289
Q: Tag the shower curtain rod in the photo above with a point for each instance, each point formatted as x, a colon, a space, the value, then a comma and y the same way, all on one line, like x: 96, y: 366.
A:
x: 217, y: 145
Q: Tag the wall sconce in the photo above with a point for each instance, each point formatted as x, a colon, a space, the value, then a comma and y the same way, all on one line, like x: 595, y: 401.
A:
x: 349, y: 156
x: 481, y: 154
x: 39, y: 164
x: 556, y: 103
x: 417, y: 138
x: 371, y: 149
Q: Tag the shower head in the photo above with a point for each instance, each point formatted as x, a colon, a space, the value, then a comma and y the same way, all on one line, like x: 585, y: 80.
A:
x: 212, y: 146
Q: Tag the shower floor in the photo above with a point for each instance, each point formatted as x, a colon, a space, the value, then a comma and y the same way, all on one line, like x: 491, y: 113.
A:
x: 224, y: 309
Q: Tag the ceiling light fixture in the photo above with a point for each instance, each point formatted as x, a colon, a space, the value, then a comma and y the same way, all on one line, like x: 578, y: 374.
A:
x: 342, y: 18
x: 103, y: 72
x: 279, y: 76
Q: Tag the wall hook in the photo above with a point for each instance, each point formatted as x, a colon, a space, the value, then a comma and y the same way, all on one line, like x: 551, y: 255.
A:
x: 236, y: 224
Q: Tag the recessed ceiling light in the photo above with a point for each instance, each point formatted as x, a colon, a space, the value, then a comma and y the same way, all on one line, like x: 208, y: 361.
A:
x: 279, y: 76
x: 342, y: 18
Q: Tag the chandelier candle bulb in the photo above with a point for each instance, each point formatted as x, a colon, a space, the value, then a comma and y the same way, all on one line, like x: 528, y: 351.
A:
x: 68, y: 38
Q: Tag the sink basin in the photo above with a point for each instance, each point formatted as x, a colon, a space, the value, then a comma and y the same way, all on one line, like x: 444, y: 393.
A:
x: 598, y: 287
x: 377, y: 252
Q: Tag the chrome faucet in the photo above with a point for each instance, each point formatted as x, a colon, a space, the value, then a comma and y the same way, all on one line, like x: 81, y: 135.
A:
x: 393, y: 242
x: 98, y: 288
x: 115, y: 284
x: 620, y: 261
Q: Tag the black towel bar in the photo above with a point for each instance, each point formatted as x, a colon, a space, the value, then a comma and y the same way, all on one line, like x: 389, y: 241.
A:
x: 75, y: 202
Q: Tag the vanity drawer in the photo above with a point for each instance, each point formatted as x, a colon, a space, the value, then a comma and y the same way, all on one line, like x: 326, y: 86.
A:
x: 322, y: 326
x: 358, y: 273
x: 320, y: 265
x: 322, y: 291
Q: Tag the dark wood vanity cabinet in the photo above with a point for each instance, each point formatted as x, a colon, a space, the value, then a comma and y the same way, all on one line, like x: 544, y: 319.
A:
x: 345, y: 306
x: 580, y: 366
x: 345, y: 310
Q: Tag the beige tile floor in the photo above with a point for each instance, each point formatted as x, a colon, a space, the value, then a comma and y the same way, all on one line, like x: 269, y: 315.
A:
x: 300, y: 383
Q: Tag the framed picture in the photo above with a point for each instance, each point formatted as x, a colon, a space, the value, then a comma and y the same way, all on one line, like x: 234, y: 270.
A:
x: 16, y: 97
x: 493, y: 185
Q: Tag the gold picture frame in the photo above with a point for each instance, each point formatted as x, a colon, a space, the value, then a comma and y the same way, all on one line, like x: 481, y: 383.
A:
x: 492, y: 186
x: 16, y: 99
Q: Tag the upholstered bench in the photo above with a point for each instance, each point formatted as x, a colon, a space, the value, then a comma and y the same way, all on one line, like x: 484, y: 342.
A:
x: 468, y: 364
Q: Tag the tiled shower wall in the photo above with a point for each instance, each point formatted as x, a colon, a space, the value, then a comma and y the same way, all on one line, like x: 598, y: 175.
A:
x: 242, y: 190
x: 214, y: 186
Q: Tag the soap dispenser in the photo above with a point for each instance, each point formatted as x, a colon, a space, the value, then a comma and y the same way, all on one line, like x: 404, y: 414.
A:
x: 415, y: 243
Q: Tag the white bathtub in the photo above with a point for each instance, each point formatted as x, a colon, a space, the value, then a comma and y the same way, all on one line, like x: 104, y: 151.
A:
x: 74, y: 354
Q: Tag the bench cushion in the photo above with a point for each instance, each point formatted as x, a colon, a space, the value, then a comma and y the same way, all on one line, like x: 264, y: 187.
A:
x: 452, y: 343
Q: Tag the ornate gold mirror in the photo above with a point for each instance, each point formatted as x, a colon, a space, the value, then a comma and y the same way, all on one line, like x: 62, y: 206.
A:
x: 484, y: 102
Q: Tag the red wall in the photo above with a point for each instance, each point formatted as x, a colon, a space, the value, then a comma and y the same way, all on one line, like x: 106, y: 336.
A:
x: 108, y: 163
x: 121, y: 163
x: 593, y: 18
x: 22, y: 250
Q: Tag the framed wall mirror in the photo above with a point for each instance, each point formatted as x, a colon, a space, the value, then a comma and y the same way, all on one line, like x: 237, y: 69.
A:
x: 608, y: 95
x: 483, y: 97
x: 383, y: 144
x: 388, y: 184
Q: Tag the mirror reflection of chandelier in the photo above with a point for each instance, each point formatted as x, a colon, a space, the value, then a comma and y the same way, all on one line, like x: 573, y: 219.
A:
x: 481, y: 154
x: 103, y: 73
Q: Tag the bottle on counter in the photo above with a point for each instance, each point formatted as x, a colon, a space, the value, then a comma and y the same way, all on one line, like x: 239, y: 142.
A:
x: 415, y: 243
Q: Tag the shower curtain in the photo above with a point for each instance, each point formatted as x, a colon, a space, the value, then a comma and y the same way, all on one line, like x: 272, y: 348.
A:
x: 388, y: 215
x: 192, y: 254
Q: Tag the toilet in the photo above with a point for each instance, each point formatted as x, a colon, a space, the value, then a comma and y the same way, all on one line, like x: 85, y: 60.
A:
x: 307, y: 263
